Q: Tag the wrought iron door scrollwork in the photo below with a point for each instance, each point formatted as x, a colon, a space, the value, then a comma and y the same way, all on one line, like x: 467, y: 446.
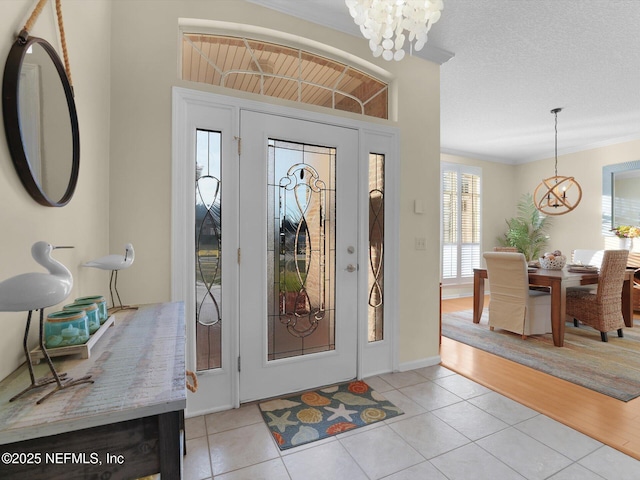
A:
x: 376, y: 244
x: 375, y: 312
x: 303, y: 226
x: 208, y: 233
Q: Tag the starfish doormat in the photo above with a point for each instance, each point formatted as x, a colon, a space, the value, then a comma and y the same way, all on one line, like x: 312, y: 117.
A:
x: 322, y: 413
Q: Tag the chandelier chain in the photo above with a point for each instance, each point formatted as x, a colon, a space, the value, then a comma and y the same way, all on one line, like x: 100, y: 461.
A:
x: 556, y: 149
x: 557, y: 195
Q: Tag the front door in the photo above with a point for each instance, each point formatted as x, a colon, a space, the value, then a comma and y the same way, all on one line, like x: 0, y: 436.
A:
x: 274, y: 299
x: 298, y: 260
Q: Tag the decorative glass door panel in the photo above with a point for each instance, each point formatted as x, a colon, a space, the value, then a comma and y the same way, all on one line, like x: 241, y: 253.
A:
x: 376, y: 248
x: 298, y: 271
x: 301, y: 249
x: 208, y: 252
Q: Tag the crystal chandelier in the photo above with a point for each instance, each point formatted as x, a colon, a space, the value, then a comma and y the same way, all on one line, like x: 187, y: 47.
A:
x: 557, y: 195
x: 383, y: 23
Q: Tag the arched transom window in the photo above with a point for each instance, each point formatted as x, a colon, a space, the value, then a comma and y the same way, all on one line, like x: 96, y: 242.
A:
x: 283, y: 72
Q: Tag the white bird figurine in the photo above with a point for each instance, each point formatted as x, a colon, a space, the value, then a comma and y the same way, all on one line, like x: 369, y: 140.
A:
x: 36, y: 291
x: 33, y: 291
x: 115, y: 263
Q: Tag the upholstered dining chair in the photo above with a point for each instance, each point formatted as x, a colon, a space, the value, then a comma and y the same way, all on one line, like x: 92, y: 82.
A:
x: 512, y: 306
x: 587, y: 257
x: 515, y: 249
x: 601, y: 308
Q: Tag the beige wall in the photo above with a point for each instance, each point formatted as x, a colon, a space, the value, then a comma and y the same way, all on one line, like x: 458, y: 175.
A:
x: 84, y: 222
x: 145, y: 65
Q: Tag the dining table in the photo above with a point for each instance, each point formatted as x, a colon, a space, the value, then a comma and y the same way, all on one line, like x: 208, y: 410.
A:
x: 558, y: 281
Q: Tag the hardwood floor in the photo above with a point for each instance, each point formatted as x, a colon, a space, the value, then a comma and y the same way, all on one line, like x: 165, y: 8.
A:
x: 612, y: 422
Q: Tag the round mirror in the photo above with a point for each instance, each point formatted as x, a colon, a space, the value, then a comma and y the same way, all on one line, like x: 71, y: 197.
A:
x: 41, y: 122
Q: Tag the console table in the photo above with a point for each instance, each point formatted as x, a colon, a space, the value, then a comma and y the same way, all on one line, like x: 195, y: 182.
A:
x: 125, y: 425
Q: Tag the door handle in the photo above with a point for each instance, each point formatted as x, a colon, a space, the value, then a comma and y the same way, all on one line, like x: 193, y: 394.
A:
x: 351, y: 268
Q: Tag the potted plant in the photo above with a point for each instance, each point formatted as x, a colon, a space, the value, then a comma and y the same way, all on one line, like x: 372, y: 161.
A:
x: 528, y: 231
x: 626, y: 234
x: 293, y: 296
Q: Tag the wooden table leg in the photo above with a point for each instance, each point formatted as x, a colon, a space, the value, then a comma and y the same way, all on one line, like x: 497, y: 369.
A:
x: 478, y: 296
x: 183, y: 428
x: 169, y: 445
x: 627, y: 302
x: 558, y: 309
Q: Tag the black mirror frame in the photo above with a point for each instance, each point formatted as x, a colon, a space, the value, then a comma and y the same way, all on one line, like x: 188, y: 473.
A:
x: 10, y: 110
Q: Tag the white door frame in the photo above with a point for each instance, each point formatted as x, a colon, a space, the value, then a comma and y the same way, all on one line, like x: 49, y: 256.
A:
x: 190, y: 112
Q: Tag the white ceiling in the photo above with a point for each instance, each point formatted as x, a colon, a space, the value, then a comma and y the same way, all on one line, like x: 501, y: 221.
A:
x: 513, y: 61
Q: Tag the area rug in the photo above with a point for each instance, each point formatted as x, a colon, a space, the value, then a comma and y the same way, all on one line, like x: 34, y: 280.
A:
x: 317, y: 414
x: 611, y: 368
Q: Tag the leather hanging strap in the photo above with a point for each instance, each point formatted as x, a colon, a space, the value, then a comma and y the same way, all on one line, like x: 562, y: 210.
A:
x: 24, y: 34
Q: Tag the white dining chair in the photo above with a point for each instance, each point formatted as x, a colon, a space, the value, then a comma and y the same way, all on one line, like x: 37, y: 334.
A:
x: 512, y: 305
x: 587, y: 257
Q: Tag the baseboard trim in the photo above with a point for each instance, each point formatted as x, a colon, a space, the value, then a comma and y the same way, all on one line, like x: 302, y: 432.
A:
x: 423, y: 362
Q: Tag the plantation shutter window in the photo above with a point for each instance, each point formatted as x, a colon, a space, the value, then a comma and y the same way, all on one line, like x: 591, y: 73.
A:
x: 460, y: 222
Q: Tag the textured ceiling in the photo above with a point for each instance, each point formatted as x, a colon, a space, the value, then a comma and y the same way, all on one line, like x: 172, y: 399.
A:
x: 515, y: 60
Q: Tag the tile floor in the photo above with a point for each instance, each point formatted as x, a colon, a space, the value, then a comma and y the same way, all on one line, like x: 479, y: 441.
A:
x: 452, y: 429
